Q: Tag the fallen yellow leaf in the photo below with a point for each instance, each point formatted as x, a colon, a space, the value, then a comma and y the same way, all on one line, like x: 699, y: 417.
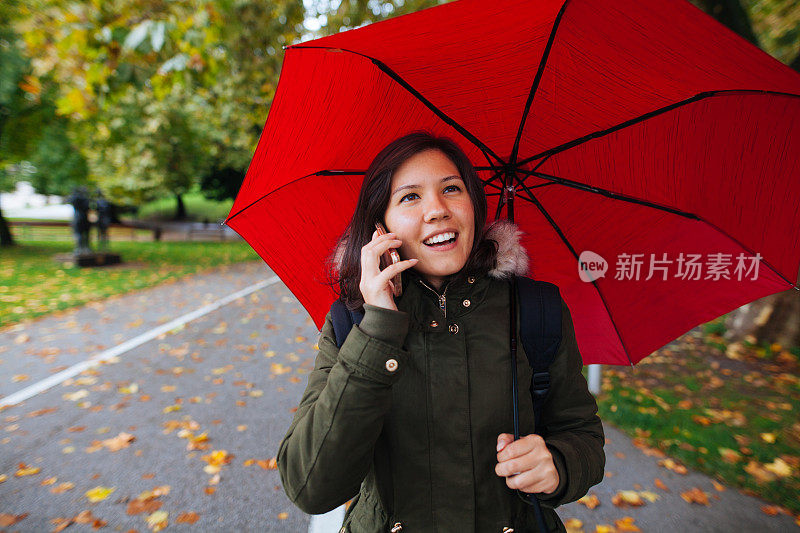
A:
x: 98, y: 494
x: 779, y: 467
x: 626, y: 524
x: 695, y: 495
x: 757, y: 470
x: 590, y: 500
x: 672, y: 465
x: 157, y: 521
x: 279, y: 368
x: 187, y: 518
x: 573, y: 525
x: 649, y: 496
x: 627, y: 497
x: 62, y: 487
x: 25, y: 470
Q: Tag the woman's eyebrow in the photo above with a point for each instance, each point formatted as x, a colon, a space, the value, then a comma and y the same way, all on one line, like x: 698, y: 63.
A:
x: 417, y: 186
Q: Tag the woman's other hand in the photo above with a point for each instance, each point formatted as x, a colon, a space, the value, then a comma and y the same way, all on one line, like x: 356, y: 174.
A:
x: 526, y: 464
x: 376, y: 284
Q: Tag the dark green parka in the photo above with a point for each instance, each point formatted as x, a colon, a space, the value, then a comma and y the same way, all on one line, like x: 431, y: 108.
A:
x: 405, y: 416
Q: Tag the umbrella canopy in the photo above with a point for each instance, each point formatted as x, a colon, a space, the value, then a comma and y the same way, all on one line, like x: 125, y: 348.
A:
x: 643, y: 132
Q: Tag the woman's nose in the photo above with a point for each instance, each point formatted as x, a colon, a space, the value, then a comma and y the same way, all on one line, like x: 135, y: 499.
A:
x: 436, y: 209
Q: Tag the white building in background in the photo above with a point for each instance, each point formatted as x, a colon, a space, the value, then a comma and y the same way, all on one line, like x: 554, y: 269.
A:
x: 25, y: 202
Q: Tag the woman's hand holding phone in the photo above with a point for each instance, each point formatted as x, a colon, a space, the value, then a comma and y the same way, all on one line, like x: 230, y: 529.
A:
x: 376, y: 285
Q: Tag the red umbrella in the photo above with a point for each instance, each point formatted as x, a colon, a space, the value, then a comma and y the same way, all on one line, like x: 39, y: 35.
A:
x: 643, y: 132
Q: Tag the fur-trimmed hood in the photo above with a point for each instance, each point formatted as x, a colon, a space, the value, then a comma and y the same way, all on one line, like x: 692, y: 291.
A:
x: 512, y: 258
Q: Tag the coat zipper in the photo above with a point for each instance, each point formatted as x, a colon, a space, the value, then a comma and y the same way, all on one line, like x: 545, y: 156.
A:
x: 442, y: 297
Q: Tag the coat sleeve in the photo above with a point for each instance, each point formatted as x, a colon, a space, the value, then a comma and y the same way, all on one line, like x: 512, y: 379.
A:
x: 572, y: 430
x: 329, y: 446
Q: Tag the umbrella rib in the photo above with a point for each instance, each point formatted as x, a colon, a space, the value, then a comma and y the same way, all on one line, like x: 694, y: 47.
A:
x: 318, y: 173
x: 646, y: 116
x: 594, y: 282
x: 490, y: 180
x: 625, y: 198
x: 610, y: 194
x: 427, y: 103
x: 536, y: 80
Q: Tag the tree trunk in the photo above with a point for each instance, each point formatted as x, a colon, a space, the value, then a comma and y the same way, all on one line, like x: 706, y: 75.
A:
x: 6, y: 239
x: 180, y: 212
x: 732, y: 14
x: 772, y: 319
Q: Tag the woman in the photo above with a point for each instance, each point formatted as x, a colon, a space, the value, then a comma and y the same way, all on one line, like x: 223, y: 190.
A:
x: 412, y: 416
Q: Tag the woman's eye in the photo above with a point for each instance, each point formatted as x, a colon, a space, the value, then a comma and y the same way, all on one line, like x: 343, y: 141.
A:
x: 409, y: 196
x: 450, y: 188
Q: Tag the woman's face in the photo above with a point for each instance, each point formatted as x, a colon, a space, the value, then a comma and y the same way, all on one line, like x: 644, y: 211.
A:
x: 431, y: 212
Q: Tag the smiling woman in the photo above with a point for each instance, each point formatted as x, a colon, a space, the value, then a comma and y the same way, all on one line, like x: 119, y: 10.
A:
x: 419, y: 186
x: 431, y: 213
x: 410, y: 414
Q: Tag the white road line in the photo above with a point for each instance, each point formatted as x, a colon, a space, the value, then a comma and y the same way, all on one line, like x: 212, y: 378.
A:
x: 128, y: 345
x: 330, y: 522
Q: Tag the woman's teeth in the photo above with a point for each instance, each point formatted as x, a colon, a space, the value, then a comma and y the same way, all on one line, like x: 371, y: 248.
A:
x: 442, y: 237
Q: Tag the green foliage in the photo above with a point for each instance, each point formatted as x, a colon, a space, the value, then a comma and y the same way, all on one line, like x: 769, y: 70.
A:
x: 347, y: 14
x: 777, y: 24
x: 220, y: 184
x: 161, y: 93
x: 715, y: 327
x: 59, y: 166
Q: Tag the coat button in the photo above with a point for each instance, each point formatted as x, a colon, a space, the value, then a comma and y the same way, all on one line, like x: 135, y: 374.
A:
x: 391, y: 365
x: 453, y: 328
x: 471, y: 279
x: 434, y: 324
x: 466, y: 303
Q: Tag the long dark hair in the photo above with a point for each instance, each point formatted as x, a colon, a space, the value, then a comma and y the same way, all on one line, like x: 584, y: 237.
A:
x: 345, y: 268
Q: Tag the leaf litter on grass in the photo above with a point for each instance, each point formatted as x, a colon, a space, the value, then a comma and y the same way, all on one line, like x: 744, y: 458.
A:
x: 733, y: 418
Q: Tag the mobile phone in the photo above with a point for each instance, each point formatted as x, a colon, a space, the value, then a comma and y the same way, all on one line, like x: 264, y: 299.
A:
x: 389, y: 258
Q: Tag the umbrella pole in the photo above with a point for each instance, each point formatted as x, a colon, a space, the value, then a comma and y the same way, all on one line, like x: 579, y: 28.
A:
x: 528, y: 498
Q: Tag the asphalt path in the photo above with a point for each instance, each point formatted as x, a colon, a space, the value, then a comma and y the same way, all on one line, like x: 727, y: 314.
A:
x: 235, y: 373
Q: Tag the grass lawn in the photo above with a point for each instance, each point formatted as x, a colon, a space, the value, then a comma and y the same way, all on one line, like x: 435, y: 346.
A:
x: 198, y: 208
x: 731, y: 413
x: 33, y: 284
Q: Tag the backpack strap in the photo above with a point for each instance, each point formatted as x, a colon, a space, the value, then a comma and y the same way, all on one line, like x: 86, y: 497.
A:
x: 540, y: 319
x: 343, y: 320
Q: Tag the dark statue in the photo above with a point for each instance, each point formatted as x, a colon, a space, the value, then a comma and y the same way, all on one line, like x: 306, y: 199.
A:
x: 103, y: 209
x: 80, y: 220
x: 83, y: 255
